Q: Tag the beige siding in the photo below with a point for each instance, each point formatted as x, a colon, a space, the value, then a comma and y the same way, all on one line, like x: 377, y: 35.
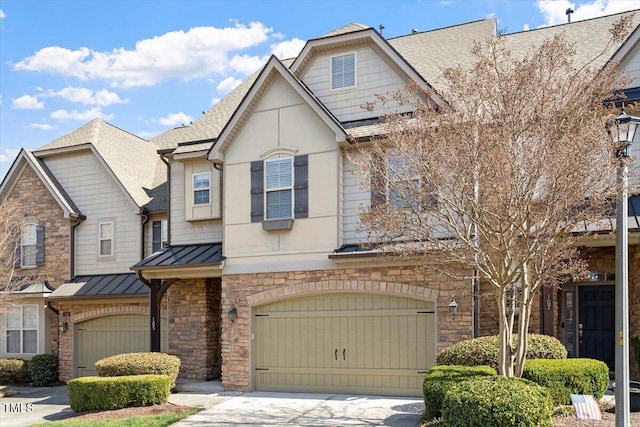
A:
x: 281, y: 119
x: 631, y: 66
x: 373, y: 76
x: 148, y: 233
x: 98, y: 196
x: 183, y: 231
x: 357, y: 196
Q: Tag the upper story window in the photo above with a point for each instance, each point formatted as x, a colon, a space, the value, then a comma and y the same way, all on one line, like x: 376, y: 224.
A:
x: 28, y: 245
x: 105, y: 239
x: 21, y: 328
x: 201, y: 188
x: 278, y: 178
x: 343, y: 71
x: 159, y: 235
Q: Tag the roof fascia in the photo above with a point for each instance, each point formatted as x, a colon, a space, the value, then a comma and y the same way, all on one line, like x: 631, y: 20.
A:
x: 29, y: 159
x: 181, y: 272
x: 191, y: 155
x: 380, y: 42
x: 275, y: 65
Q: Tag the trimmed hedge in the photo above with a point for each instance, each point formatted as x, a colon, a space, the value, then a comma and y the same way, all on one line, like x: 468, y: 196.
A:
x: 485, y: 350
x: 564, y: 377
x: 439, y: 380
x: 497, y: 401
x: 108, y: 393
x: 13, y: 371
x: 43, y: 369
x: 140, y: 364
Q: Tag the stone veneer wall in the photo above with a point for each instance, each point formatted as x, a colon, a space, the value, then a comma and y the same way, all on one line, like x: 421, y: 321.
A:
x: 247, y: 290
x: 194, y: 327
x: 634, y: 305
x: 81, y: 312
x: 39, y: 206
x: 489, y: 322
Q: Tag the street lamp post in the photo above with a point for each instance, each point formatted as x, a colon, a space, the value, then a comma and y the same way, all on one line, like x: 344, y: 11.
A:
x: 622, y: 131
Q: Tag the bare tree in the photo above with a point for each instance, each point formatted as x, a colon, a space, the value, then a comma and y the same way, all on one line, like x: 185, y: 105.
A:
x: 11, y: 221
x: 505, y: 179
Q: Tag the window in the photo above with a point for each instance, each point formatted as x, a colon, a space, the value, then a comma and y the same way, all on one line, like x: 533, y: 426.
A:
x: 279, y: 189
x: 278, y: 176
x: 201, y: 188
x: 159, y: 235
x: 28, y: 245
x: 22, y: 329
x: 343, y: 71
x: 106, y: 239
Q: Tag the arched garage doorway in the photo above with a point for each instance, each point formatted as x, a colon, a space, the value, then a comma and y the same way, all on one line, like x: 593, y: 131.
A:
x: 344, y: 343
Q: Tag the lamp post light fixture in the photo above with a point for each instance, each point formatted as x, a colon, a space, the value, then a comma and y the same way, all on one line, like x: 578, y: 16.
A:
x: 453, y: 307
x: 622, y: 131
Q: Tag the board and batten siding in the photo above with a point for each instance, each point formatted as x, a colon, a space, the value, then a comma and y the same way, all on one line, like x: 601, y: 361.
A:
x: 373, y: 76
x: 98, y: 197
x: 183, y: 231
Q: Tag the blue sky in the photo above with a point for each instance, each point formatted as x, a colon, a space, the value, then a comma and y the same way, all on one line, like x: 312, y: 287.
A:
x: 148, y: 66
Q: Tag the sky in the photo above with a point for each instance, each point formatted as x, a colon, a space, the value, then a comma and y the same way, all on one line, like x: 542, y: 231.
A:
x: 149, y: 66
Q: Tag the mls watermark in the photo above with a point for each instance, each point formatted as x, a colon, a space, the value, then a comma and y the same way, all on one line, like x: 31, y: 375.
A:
x: 17, y: 408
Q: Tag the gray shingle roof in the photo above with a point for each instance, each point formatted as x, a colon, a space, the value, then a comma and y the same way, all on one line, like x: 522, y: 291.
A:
x: 133, y: 160
x: 349, y: 28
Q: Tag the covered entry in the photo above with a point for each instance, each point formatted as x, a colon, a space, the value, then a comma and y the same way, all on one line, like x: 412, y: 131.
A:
x: 108, y: 335
x: 344, y: 343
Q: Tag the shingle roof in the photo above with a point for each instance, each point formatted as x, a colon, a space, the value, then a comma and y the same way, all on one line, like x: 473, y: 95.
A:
x: 349, y: 28
x: 133, y: 160
x: 101, y: 285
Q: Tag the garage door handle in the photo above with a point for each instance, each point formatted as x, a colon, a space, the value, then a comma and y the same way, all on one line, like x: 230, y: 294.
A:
x: 336, y: 353
x: 344, y: 354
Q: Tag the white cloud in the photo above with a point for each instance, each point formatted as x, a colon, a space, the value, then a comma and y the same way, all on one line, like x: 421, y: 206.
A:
x: 554, y: 11
x: 178, y: 54
x: 246, y: 64
x: 214, y: 101
x: 27, y: 102
x: 287, y: 49
x: 42, y: 126
x: 8, y: 155
x: 2, y: 14
x: 147, y: 134
x: 87, y: 96
x: 227, y: 85
x: 525, y: 27
x: 0, y: 99
x: 175, y: 119
x: 93, y: 113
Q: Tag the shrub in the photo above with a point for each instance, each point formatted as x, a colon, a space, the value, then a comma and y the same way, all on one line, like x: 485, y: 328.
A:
x: 43, y: 369
x: 485, y: 350
x: 440, y: 378
x: 108, y: 393
x: 564, y: 377
x: 498, y: 402
x: 140, y: 364
x: 13, y: 371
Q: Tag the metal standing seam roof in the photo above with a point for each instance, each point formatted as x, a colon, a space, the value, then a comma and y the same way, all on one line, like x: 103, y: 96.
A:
x: 102, y: 285
x: 183, y: 255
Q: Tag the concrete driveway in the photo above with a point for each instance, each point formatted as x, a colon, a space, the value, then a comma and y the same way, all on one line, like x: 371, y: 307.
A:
x: 302, y: 409
x: 34, y: 405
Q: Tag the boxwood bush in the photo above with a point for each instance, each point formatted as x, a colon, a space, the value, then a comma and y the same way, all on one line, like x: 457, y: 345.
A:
x: 439, y: 380
x: 13, y: 371
x: 108, y: 393
x: 485, y: 350
x: 43, y: 369
x: 497, y: 401
x: 564, y: 377
x: 140, y: 364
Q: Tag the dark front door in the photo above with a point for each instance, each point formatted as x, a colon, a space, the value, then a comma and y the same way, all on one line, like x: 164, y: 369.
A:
x: 596, y: 328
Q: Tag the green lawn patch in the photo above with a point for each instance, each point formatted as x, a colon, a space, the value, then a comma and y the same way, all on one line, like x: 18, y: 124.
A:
x: 161, y: 420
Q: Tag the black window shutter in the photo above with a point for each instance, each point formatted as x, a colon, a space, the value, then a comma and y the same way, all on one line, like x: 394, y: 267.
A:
x: 301, y: 186
x: 17, y: 251
x: 378, y: 184
x: 156, y: 236
x: 257, y: 191
x: 40, y: 245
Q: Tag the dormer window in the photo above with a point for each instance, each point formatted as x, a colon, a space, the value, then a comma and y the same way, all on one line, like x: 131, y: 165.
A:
x: 201, y: 188
x: 343, y: 71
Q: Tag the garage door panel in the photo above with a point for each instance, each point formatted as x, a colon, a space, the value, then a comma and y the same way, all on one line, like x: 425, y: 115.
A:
x: 345, y: 343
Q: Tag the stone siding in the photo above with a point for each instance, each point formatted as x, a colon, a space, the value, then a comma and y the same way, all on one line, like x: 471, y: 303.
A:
x: 245, y: 291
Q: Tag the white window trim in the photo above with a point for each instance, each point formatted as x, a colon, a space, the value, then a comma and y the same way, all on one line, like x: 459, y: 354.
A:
x: 290, y: 187
x: 163, y: 233
x: 355, y: 72
x: 5, y: 330
x: 32, y: 228
x: 112, y: 255
x: 193, y: 188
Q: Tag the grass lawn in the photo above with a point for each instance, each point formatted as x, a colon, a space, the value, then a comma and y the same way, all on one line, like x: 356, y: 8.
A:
x: 160, y: 420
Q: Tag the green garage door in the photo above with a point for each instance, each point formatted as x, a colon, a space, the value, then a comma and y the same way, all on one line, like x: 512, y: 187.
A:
x: 345, y: 343
x: 105, y: 336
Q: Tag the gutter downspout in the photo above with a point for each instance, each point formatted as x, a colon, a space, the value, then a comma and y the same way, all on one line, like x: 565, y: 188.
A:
x: 76, y: 219
x: 145, y: 218
x: 166, y: 162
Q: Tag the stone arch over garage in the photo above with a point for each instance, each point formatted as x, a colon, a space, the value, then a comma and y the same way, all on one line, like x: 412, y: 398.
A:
x: 108, y: 311
x: 336, y: 286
